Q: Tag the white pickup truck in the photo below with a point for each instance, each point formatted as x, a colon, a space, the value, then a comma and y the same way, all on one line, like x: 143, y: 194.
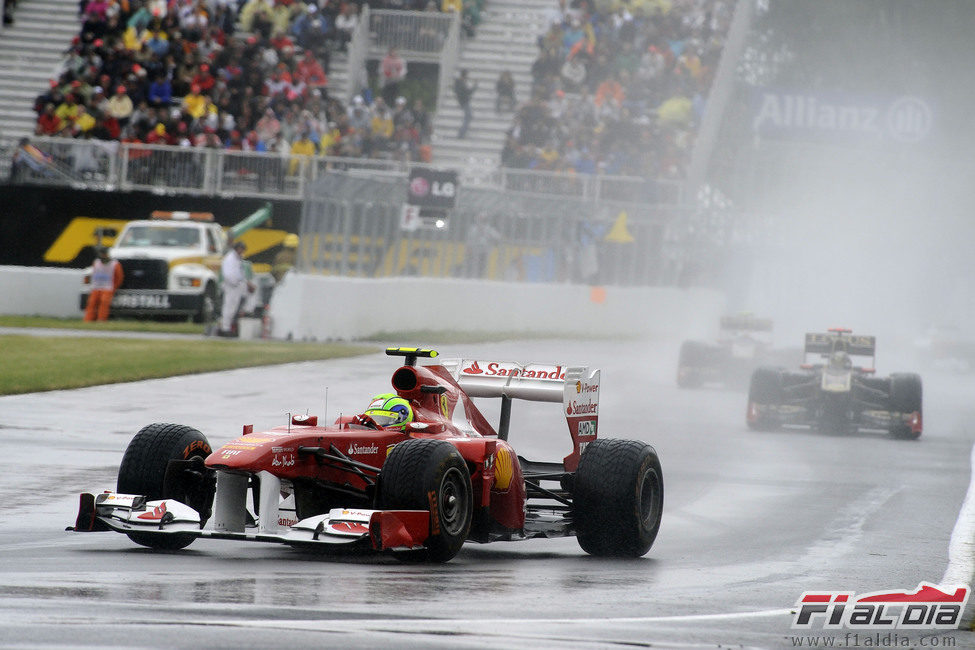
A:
x: 171, y: 264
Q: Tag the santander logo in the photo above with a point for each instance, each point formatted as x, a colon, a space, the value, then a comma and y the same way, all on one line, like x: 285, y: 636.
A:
x: 496, y: 369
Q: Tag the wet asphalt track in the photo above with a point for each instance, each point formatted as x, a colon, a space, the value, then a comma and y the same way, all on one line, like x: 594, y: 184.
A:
x: 751, y: 520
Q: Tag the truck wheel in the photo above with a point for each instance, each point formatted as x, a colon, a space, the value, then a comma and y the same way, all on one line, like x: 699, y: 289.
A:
x: 691, y: 359
x: 617, y: 498
x: 143, y: 471
x: 208, y: 309
x: 765, y: 389
x: 423, y: 474
x: 905, y: 397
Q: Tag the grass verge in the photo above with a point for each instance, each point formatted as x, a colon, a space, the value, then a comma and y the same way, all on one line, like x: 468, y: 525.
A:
x: 31, y: 364
x: 114, y: 325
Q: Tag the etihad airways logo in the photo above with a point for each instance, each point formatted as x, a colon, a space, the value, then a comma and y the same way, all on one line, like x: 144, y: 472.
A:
x: 496, y: 369
x: 929, y: 607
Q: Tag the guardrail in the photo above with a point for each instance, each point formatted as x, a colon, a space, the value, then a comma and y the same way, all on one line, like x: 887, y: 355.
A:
x: 418, y: 35
x: 112, y: 165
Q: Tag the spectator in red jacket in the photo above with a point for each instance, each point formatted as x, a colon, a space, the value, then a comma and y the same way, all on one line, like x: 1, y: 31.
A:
x: 48, y: 123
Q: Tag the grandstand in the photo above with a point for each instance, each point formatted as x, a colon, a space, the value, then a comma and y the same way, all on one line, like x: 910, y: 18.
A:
x: 246, y: 58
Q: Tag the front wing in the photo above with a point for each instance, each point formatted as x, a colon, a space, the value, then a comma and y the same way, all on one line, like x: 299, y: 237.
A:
x: 381, y: 530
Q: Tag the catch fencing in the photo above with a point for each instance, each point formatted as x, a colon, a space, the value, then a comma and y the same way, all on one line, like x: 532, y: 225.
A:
x: 353, y: 225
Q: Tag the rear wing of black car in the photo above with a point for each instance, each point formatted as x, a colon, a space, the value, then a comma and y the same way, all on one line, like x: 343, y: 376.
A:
x: 840, y: 340
x: 746, y: 323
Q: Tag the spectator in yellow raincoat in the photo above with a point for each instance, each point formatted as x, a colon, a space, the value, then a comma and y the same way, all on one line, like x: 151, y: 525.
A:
x: 303, y: 146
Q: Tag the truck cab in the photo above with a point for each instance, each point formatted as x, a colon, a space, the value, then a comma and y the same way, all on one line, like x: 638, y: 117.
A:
x: 171, y: 263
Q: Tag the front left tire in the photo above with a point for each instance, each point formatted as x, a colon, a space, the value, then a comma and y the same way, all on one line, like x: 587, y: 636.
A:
x: 143, y: 471
x: 423, y: 474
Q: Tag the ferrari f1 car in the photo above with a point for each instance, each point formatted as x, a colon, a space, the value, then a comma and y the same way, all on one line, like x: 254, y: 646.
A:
x: 745, y: 343
x: 833, y: 394
x: 418, y: 489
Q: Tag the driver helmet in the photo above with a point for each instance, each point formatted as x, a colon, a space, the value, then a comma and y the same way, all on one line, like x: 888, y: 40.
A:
x: 390, y: 411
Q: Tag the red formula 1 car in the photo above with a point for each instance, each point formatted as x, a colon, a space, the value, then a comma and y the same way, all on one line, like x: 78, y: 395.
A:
x: 418, y: 488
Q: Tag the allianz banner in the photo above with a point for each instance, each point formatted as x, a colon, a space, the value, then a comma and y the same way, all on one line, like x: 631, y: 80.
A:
x: 838, y: 117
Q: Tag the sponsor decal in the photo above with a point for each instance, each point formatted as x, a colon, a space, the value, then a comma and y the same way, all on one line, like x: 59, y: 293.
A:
x: 503, y: 470
x: 582, y: 408
x: 347, y: 527
x: 587, y: 429
x: 228, y: 453
x: 443, y: 404
x: 283, y: 460
x: 496, y: 369
x: 434, y: 513
x: 355, y: 449
x: 157, y: 513
x: 196, y: 445
x: 287, y: 521
x: 141, y: 301
x: 929, y: 607
x: 232, y: 445
x: 363, y: 514
x: 278, y: 450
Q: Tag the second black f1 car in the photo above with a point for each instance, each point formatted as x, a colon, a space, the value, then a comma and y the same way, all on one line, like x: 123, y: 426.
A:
x: 835, y: 395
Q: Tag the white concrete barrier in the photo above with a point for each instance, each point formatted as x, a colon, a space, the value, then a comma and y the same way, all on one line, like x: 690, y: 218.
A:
x: 314, y: 307
x: 40, y: 291
x: 311, y: 307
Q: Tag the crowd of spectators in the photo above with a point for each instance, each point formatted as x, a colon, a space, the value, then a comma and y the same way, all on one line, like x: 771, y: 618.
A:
x: 248, y: 75
x: 619, y: 87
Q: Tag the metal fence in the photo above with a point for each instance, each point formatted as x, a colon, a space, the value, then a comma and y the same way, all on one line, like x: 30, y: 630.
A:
x: 419, y: 35
x: 111, y: 165
x: 352, y: 226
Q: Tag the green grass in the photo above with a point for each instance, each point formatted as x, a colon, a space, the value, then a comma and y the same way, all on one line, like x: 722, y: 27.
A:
x: 114, y: 325
x: 38, y: 363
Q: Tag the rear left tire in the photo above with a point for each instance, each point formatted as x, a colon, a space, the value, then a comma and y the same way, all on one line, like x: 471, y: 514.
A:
x: 906, y: 396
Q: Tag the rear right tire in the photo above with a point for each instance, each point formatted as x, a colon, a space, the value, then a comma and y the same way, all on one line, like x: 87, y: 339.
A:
x: 617, y: 498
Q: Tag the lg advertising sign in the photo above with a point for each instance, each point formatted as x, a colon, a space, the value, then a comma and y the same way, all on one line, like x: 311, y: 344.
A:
x: 430, y: 196
x: 432, y: 189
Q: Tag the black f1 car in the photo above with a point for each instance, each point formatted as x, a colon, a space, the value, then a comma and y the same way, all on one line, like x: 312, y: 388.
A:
x: 835, y: 395
x: 745, y: 343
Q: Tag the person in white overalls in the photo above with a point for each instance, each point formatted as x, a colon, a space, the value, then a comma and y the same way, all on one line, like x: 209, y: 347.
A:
x: 235, y: 285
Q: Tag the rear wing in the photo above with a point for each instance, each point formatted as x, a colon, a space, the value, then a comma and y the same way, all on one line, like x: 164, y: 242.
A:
x: 746, y: 322
x: 841, y: 341
x: 576, y: 387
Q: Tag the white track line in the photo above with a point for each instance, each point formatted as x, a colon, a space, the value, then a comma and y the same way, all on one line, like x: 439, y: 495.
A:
x: 961, y: 549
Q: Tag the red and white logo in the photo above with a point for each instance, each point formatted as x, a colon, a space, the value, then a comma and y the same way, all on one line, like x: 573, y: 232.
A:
x: 419, y: 186
x: 929, y: 607
x: 473, y: 369
x: 157, y: 513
